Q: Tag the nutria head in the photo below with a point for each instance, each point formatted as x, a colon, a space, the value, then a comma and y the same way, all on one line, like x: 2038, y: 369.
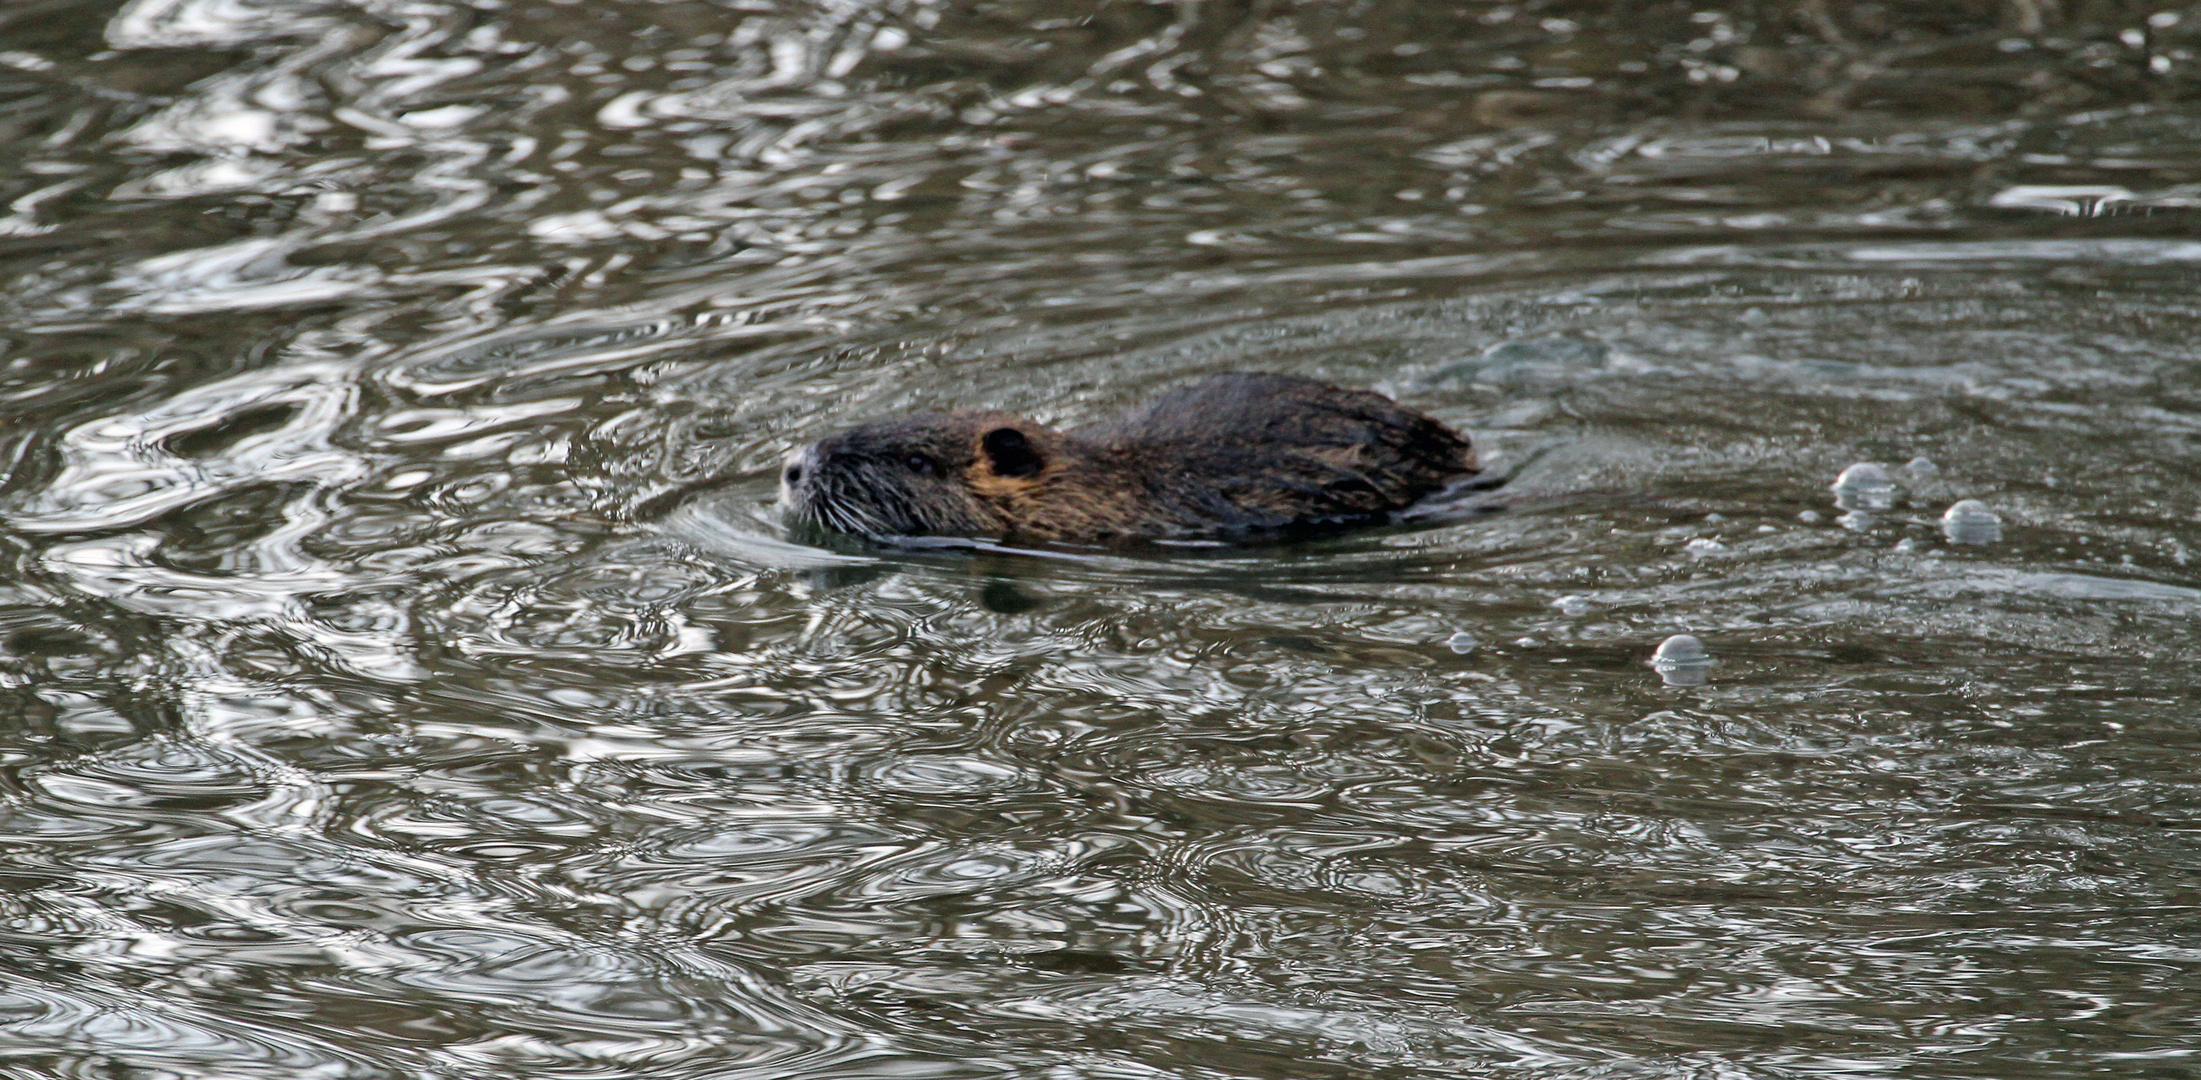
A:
x: 940, y: 475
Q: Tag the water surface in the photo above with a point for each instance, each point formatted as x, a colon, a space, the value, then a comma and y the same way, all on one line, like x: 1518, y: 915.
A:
x: 405, y: 676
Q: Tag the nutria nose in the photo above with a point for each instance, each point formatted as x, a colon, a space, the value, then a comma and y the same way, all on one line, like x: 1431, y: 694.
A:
x: 799, y: 464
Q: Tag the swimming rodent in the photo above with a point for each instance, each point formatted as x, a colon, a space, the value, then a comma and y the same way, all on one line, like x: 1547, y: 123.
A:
x: 1230, y: 457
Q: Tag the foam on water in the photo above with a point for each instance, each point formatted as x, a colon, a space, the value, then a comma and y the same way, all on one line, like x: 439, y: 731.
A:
x: 1969, y: 521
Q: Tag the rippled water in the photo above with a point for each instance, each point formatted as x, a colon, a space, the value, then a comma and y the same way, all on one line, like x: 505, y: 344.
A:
x: 405, y: 674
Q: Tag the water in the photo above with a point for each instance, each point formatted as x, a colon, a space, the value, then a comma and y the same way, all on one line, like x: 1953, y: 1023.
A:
x: 405, y: 676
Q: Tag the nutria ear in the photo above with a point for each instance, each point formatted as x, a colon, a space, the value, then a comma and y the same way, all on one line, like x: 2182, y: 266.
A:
x: 1010, y: 453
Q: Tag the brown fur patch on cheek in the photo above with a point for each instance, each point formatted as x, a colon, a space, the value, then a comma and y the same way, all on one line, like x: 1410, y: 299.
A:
x: 1002, y: 490
x: 1005, y: 499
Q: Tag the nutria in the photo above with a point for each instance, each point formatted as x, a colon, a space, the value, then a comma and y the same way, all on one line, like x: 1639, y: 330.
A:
x: 1229, y: 457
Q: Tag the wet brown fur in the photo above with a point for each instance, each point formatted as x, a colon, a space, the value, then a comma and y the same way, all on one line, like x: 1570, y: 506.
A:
x: 1229, y: 457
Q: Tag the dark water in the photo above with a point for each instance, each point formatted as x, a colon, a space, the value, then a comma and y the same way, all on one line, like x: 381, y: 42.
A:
x: 374, y: 708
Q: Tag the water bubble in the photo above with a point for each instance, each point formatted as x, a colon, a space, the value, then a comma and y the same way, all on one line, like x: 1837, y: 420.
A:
x: 1704, y: 546
x: 1865, y: 486
x: 1920, y: 467
x: 1971, y: 522
x: 1462, y: 643
x: 1573, y: 605
x: 1809, y: 517
x: 1681, y: 660
x: 1906, y: 546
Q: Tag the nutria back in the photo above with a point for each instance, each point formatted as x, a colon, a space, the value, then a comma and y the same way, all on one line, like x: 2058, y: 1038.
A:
x: 1228, y: 457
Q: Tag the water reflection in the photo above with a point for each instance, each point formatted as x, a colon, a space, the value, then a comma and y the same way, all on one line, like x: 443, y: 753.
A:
x: 408, y: 675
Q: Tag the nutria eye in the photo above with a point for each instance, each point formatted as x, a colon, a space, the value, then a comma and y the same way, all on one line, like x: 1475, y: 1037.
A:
x: 794, y: 474
x: 919, y: 463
